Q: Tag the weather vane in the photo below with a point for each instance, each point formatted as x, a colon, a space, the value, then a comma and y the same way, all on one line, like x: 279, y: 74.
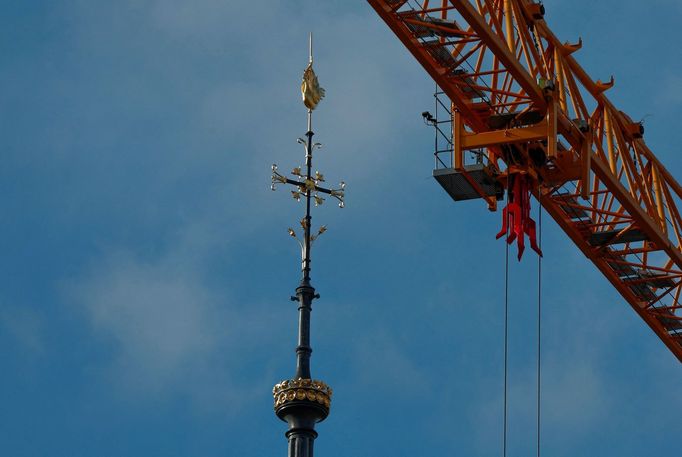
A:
x: 302, y: 401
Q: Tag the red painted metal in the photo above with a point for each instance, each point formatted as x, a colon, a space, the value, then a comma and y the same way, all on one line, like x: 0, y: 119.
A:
x: 516, y: 220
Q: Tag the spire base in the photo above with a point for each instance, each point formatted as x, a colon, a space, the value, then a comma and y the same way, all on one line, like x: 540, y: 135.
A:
x: 302, y: 403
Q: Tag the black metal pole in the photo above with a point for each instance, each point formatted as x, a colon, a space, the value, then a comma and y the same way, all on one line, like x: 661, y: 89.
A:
x: 305, y: 292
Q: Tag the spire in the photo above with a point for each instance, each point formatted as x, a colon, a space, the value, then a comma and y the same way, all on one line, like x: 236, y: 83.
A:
x: 303, y: 401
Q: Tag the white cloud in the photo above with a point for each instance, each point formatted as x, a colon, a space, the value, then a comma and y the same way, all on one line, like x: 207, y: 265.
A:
x: 169, y: 333
x: 159, y: 317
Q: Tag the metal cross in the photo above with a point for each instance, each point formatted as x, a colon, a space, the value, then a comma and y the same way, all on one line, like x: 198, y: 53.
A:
x: 307, y: 186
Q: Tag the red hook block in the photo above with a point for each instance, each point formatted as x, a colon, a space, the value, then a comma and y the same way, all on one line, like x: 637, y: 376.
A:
x: 518, y: 211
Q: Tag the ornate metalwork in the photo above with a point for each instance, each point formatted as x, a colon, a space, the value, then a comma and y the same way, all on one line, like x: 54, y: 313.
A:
x: 309, y: 182
x: 300, y: 389
x: 302, y: 401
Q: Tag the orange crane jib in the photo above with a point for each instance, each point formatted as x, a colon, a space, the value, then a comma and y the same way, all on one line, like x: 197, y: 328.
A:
x: 518, y: 101
x: 517, y: 212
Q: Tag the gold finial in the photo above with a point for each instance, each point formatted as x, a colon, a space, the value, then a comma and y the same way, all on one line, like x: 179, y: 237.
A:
x: 311, y: 92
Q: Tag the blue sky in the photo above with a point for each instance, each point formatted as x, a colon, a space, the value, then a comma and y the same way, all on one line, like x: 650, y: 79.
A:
x: 144, y: 308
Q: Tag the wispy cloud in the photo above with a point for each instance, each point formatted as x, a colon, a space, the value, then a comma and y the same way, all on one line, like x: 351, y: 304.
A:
x: 169, y: 332
x: 578, y: 390
x: 671, y: 90
x: 25, y: 326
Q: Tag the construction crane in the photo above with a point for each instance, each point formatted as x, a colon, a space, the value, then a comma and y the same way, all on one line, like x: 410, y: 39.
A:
x: 522, y: 115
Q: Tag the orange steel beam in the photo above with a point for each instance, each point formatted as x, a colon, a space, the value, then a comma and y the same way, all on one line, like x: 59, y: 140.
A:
x: 608, y: 272
x: 599, y: 95
x: 520, y: 96
x: 501, y: 51
x: 510, y: 136
x: 386, y: 12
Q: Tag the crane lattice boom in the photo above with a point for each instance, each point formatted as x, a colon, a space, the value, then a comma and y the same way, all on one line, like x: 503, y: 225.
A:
x: 520, y: 100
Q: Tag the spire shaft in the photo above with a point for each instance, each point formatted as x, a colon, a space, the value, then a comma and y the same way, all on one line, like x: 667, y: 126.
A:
x: 305, y: 293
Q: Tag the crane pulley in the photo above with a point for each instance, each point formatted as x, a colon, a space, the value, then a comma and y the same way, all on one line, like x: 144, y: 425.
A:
x: 536, y: 120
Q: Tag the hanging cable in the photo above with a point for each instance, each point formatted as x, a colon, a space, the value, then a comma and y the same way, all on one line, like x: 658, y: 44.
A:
x: 506, y: 322
x: 539, y: 313
x: 506, y: 327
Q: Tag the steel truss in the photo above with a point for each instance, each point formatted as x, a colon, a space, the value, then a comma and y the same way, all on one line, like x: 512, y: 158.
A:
x: 520, y: 97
